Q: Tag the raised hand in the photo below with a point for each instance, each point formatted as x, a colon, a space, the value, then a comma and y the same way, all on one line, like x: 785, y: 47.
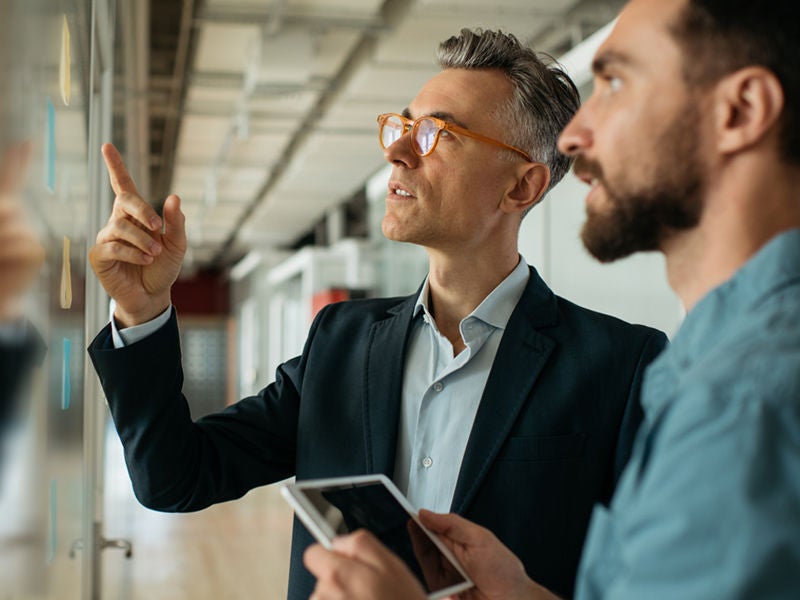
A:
x: 134, y: 261
x: 21, y: 252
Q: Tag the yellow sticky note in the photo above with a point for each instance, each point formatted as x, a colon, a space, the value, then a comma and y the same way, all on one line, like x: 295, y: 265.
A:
x: 66, y: 277
x: 66, y: 63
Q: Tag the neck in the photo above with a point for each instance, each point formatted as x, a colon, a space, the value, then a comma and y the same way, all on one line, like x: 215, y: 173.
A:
x: 458, y: 284
x: 756, y: 200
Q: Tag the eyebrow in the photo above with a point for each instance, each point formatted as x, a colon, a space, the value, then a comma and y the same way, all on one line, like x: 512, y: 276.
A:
x: 444, y: 116
x: 602, y: 61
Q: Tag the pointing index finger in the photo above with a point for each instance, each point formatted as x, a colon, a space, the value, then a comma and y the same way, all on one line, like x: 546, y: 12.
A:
x: 121, y: 181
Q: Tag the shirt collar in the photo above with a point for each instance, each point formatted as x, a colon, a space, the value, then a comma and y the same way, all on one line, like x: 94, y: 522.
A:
x: 776, y: 265
x: 497, y: 307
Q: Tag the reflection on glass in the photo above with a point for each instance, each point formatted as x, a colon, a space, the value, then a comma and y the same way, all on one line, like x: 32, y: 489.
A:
x: 44, y: 110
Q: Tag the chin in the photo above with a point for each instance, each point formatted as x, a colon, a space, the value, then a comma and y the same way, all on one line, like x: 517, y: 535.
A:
x: 391, y: 232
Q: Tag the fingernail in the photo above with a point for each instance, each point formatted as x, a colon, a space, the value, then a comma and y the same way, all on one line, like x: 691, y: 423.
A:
x: 155, y: 223
x: 155, y: 248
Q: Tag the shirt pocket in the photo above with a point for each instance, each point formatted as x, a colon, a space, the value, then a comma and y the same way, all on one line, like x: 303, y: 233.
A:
x: 543, y: 448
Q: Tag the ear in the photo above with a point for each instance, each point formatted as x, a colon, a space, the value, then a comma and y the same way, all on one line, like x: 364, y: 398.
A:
x: 532, y: 180
x: 749, y: 103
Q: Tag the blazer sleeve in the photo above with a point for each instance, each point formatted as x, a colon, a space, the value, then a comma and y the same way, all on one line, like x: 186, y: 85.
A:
x: 179, y: 465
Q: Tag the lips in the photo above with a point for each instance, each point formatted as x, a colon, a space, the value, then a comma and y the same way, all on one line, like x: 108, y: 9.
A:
x: 589, y: 173
x: 398, y: 190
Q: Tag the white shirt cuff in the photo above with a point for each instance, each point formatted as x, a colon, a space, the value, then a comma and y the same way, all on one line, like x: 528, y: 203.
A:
x: 131, y: 335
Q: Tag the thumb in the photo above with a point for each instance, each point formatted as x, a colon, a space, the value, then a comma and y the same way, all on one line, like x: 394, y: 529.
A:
x: 452, y: 527
x: 362, y: 545
x: 174, y: 219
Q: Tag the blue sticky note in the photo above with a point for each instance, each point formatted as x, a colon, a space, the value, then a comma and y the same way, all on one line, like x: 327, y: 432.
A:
x: 50, y: 147
x: 65, y: 380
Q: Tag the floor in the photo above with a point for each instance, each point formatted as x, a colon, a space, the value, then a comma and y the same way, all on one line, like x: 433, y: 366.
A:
x: 235, y: 550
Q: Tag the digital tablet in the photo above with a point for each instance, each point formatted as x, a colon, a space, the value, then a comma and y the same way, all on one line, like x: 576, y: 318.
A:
x: 331, y: 507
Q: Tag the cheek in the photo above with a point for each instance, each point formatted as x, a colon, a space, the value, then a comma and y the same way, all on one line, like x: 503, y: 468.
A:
x: 478, y: 177
x: 621, y: 148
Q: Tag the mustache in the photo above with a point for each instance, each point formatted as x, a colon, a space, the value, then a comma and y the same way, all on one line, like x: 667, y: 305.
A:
x: 585, y: 166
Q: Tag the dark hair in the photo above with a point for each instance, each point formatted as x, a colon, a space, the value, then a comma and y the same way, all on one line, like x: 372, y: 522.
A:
x: 719, y: 37
x: 544, y: 97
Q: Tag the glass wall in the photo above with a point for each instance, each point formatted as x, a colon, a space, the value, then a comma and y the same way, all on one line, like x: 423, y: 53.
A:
x: 51, y: 105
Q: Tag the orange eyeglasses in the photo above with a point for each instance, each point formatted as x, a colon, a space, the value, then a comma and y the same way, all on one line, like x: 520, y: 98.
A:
x: 425, y: 133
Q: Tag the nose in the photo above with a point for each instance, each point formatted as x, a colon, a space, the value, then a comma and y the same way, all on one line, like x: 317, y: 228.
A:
x: 576, y: 136
x: 401, y: 152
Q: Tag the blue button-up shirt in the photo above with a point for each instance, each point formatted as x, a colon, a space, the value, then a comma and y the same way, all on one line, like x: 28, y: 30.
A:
x: 709, y: 505
x: 441, y: 392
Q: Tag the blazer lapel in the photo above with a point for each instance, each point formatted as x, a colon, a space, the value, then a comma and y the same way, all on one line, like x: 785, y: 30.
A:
x: 521, y: 356
x: 386, y: 348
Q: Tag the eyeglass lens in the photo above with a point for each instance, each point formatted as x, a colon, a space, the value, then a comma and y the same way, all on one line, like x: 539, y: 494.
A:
x: 424, y: 132
x: 425, y: 136
x: 392, y: 129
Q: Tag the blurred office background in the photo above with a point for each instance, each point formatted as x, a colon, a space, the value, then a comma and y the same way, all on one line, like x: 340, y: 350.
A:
x: 261, y: 115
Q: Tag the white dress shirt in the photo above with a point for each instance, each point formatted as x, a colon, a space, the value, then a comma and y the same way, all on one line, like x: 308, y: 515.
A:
x: 441, y: 392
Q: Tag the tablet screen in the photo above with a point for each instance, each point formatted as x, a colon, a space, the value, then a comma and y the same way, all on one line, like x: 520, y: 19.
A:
x: 370, y: 505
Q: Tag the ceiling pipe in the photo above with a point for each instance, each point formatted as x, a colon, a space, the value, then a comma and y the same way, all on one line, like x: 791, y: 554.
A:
x: 392, y: 13
x: 136, y: 29
x: 172, y: 123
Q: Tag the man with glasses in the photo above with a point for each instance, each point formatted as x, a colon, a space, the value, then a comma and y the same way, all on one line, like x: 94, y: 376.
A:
x: 691, y: 145
x: 483, y: 393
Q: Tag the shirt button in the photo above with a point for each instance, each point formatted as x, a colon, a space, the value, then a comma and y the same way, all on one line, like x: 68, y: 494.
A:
x: 427, y: 462
x: 438, y: 387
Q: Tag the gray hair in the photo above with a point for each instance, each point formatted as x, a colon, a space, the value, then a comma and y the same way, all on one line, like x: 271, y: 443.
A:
x: 544, y: 97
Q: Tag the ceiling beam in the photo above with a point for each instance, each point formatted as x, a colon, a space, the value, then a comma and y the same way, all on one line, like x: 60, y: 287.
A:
x: 288, y: 16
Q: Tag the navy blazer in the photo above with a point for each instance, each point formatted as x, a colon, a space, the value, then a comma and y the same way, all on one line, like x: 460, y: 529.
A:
x: 553, y: 430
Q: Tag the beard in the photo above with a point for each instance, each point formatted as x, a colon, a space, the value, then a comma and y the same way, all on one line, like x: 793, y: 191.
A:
x: 640, y: 217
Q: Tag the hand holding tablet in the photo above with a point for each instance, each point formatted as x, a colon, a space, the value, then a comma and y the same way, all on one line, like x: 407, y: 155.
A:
x: 331, y: 507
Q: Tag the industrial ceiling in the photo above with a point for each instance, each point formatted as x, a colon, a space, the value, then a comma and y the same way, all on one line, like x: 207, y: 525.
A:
x: 262, y: 114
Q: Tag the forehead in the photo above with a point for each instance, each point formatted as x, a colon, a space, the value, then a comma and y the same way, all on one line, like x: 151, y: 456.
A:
x: 471, y: 96
x: 642, y: 34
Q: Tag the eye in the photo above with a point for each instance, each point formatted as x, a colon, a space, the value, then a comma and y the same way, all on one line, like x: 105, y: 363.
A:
x: 614, y: 83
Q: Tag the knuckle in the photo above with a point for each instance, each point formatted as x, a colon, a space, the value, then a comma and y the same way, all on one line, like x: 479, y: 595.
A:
x: 115, y: 222
x: 360, y: 537
x: 118, y: 251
